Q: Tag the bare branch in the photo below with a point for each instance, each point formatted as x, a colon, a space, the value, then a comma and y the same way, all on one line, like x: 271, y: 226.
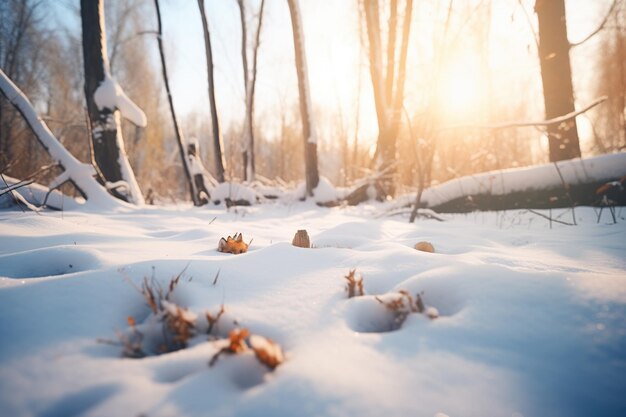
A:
x: 15, y: 187
x: 599, y: 28
x: 530, y: 24
x: 549, y: 217
x: 549, y: 122
x: 59, y: 180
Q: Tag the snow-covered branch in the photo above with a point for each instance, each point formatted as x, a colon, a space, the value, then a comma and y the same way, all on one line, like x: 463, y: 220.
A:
x: 80, y: 174
x: 111, y: 95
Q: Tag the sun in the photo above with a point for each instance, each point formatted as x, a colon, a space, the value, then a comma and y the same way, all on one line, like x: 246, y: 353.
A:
x: 460, y: 92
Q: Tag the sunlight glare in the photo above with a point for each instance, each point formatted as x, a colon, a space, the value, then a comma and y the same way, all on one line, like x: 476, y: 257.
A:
x: 460, y: 87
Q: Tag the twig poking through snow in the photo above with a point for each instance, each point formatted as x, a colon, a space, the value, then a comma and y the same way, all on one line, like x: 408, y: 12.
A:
x: 217, y: 275
x: 354, y: 287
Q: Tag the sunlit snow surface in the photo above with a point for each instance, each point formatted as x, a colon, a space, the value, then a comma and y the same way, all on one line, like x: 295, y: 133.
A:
x: 532, y: 319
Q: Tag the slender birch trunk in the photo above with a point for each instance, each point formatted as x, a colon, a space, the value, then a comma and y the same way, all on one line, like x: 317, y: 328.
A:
x: 306, y: 110
x: 179, y: 134
x: 217, y: 146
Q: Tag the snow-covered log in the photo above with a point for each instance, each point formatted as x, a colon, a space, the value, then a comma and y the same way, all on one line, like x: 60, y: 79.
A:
x: 560, y: 184
x: 80, y: 174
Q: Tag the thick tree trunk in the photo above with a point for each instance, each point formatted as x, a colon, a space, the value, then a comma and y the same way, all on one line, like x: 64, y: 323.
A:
x: 104, y: 122
x: 556, y: 75
x: 397, y: 100
x: 376, y: 65
x: 388, y: 87
x: 217, y: 147
x: 306, y: 110
x: 194, y: 184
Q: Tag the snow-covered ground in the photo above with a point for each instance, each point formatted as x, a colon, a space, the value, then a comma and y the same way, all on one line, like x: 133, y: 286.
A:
x: 532, y: 318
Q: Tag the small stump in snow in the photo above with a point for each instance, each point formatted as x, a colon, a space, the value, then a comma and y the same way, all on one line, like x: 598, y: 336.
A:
x: 301, y: 239
x: 425, y: 247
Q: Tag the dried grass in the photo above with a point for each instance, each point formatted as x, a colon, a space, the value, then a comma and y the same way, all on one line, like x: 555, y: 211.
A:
x: 213, y: 319
x: 404, y: 304
x: 354, y: 286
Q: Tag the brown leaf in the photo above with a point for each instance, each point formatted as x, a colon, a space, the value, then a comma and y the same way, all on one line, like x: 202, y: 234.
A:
x: 267, y: 351
x: 354, y: 287
x: 237, y: 340
x: 232, y: 245
x: 212, y: 321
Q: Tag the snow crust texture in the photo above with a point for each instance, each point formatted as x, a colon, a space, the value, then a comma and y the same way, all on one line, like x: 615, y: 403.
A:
x: 531, y: 320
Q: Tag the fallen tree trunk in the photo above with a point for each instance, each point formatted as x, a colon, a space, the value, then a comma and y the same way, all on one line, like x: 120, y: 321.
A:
x: 563, y: 184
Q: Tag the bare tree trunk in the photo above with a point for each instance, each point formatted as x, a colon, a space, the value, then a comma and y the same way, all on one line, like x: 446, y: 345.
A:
x: 391, y: 50
x: 306, y: 110
x: 388, y: 87
x: 376, y: 65
x: 246, y: 86
x: 249, y: 80
x: 398, y: 96
x: 255, y: 60
x: 217, y: 147
x: 556, y: 75
x: 177, y: 130
x: 104, y: 122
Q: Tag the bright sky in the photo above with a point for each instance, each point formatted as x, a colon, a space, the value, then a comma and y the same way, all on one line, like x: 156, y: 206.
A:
x: 332, y: 43
x: 332, y: 47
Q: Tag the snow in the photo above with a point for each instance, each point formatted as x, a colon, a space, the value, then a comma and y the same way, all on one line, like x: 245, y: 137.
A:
x: 575, y: 171
x: 196, y: 167
x: 110, y: 95
x: 531, y: 319
x: 325, y: 192
x: 234, y: 192
x: 127, y: 171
